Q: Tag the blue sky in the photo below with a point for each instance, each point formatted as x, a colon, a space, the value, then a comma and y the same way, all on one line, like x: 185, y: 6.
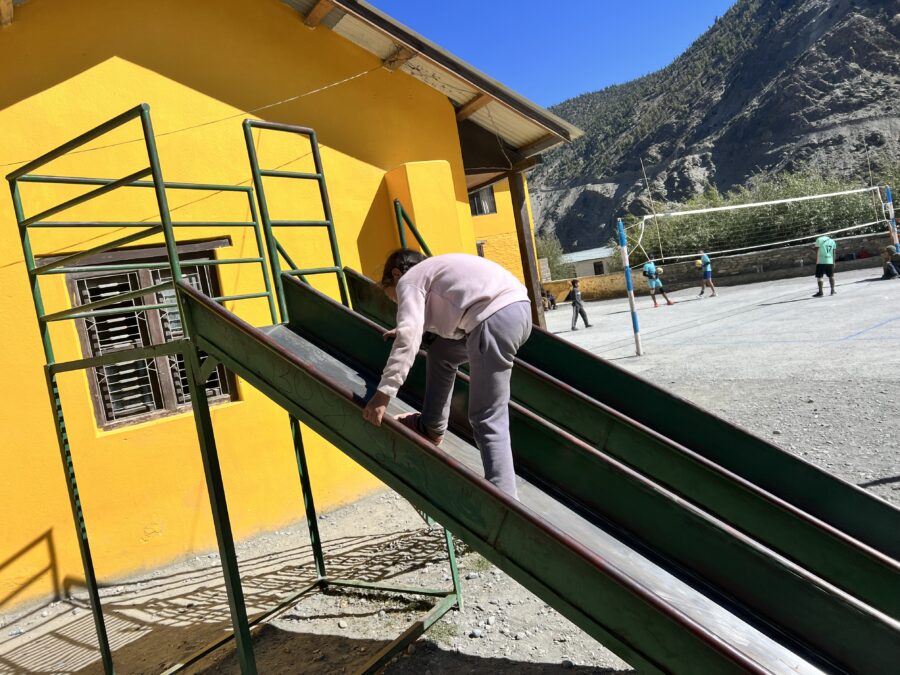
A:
x: 550, y: 55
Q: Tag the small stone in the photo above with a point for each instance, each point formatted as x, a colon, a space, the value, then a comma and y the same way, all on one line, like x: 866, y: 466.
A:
x: 475, y: 633
x: 567, y: 663
x: 491, y: 620
x: 381, y: 613
x: 520, y: 636
x: 16, y: 632
x: 342, y: 624
x: 777, y: 432
x: 45, y: 613
x: 472, y: 575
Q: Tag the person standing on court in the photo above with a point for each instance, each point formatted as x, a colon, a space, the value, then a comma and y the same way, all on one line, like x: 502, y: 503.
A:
x: 480, y: 314
x: 705, y: 265
x: 577, y: 306
x: 652, y: 272
x: 825, y: 263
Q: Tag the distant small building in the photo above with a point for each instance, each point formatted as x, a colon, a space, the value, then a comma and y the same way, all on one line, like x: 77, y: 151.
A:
x: 590, y: 262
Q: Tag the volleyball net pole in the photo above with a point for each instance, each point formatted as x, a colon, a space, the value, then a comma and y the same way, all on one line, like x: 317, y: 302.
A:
x: 629, y: 287
x: 892, y: 220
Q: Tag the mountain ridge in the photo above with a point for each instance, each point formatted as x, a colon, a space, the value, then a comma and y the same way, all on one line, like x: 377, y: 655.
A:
x: 772, y: 86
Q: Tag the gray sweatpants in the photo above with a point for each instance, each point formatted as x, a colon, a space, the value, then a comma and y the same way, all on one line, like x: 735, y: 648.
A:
x: 576, y: 310
x: 489, y: 350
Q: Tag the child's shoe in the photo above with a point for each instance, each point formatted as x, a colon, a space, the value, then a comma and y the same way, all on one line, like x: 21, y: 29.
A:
x: 413, y: 421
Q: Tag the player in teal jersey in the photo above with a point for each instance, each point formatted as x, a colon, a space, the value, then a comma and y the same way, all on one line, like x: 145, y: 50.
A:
x: 652, y: 272
x: 826, y: 247
x: 705, y: 266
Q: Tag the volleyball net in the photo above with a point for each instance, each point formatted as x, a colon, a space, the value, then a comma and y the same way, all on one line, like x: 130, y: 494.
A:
x: 733, y: 229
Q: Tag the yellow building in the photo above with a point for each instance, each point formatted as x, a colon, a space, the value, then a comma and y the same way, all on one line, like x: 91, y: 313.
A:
x: 496, y: 237
x: 397, y: 117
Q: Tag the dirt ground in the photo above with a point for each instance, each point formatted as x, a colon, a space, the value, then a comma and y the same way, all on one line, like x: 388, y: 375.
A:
x: 156, y: 620
x: 819, y: 378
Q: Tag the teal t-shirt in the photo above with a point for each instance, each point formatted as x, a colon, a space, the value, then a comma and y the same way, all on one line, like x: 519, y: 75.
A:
x: 826, y: 246
x: 652, y: 275
x: 707, y: 265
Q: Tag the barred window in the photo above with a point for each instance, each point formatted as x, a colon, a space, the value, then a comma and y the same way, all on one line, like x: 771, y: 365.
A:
x: 135, y: 391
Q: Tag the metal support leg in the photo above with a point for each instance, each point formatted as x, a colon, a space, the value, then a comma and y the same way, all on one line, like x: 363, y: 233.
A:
x: 454, y: 570
x: 311, y: 521
x: 216, y: 489
x: 87, y: 561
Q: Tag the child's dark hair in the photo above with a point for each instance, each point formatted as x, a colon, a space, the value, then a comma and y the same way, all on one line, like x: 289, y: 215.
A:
x: 402, y: 259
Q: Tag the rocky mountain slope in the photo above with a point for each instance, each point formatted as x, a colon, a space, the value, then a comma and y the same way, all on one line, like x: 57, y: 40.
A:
x: 773, y: 85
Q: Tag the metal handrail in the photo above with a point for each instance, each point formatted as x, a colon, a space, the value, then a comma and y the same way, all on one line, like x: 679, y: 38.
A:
x: 403, y: 218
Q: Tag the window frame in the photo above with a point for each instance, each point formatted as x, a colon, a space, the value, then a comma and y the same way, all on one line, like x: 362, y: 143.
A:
x: 169, y: 406
x: 477, y: 196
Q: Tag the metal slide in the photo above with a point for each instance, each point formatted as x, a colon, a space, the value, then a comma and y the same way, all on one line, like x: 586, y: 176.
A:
x: 721, y: 468
x: 657, y: 579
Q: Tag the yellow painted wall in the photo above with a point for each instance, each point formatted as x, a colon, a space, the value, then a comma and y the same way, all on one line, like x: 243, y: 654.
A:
x: 421, y: 188
x: 498, y: 231
x: 71, y: 64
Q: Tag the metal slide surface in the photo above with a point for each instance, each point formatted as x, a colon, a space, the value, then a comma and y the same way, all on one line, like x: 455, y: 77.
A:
x: 831, y: 527
x: 625, y: 583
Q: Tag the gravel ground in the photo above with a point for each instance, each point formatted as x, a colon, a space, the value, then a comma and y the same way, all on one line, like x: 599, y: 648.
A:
x: 818, y: 377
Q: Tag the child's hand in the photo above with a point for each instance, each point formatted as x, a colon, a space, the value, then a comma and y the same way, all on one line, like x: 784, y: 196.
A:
x: 390, y: 335
x: 374, y: 410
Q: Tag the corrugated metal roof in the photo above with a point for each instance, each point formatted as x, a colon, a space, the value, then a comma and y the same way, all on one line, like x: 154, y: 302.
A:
x: 517, y: 121
x: 589, y: 254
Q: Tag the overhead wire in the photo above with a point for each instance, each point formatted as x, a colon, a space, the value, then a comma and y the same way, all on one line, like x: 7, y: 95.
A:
x: 207, y: 123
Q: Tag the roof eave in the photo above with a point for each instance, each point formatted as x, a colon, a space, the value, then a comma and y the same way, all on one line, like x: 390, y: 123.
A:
x: 561, y: 130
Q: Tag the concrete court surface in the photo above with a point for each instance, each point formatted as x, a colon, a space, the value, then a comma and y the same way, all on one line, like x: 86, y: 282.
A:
x: 819, y: 377
x: 770, y: 327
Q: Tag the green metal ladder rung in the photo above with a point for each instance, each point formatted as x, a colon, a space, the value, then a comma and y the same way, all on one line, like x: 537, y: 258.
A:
x: 272, y: 173
x: 138, y: 223
x: 119, y: 310
x: 222, y: 261
x: 81, y: 199
x: 240, y: 296
x: 170, y: 185
x: 301, y: 223
x: 74, y: 257
x: 90, y: 309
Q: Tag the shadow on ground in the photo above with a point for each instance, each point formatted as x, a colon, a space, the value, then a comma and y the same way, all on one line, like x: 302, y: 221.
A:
x: 159, y: 620
x: 280, y: 651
